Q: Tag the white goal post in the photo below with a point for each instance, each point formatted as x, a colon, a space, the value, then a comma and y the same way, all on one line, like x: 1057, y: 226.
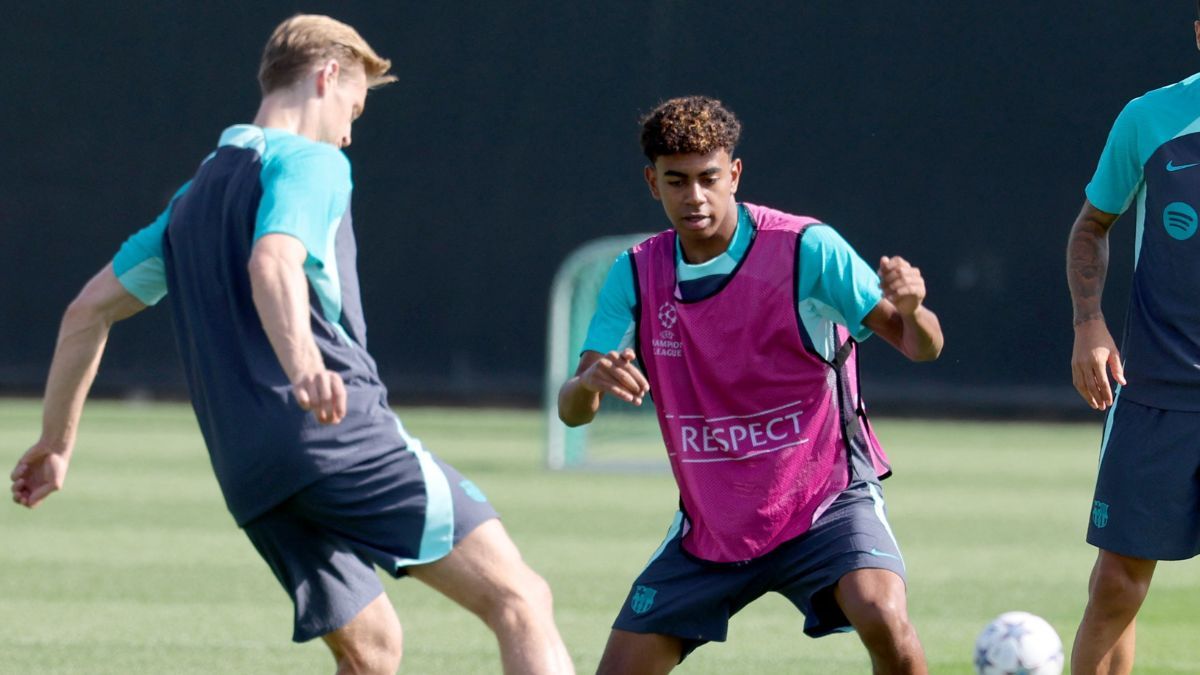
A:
x: 572, y: 302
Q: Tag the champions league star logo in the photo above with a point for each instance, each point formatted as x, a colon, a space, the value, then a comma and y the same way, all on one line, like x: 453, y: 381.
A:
x: 667, y: 315
x: 667, y: 344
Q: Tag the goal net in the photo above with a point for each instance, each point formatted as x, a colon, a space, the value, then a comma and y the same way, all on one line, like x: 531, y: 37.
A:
x: 623, y: 436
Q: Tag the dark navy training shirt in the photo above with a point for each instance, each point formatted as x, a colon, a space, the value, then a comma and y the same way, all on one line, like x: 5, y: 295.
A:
x: 1152, y: 163
x: 259, y: 181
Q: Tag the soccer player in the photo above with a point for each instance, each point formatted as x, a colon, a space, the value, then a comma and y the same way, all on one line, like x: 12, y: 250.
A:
x: 742, y: 321
x: 258, y: 253
x: 1146, y: 506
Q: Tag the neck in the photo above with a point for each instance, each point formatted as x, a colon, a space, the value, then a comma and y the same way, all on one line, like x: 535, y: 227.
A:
x: 289, y: 112
x: 697, y: 251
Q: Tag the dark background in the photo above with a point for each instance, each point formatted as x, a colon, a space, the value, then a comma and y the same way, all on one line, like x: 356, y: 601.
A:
x: 959, y: 135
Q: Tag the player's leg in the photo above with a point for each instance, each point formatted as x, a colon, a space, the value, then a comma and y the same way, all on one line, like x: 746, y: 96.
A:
x: 639, y: 654
x: 412, y: 514
x: 1146, y: 508
x: 485, y: 574
x: 335, y: 591
x: 1105, y: 640
x: 847, y: 573
x: 875, y: 603
x: 371, y: 643
x: 677, y: 595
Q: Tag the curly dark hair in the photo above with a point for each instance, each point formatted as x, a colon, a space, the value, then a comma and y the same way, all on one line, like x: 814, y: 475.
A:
x: 689, y: 124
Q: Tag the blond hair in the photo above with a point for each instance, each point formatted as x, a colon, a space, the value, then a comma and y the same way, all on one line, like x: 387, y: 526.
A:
x: 306, y: 39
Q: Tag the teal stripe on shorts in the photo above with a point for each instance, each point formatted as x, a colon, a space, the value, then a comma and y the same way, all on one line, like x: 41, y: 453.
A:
x: 438, y: 536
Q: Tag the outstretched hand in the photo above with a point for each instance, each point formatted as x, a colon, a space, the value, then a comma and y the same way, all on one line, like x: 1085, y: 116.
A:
x: 1092, y: 358
x: 902, y: 284
x: 322, y: 392
x: 40, y: 471
x: 615, y: 373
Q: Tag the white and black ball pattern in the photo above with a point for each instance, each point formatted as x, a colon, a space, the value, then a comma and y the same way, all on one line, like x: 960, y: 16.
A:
x: 1018, y: 643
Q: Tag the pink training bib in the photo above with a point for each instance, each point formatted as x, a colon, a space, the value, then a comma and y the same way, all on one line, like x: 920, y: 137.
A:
x: 755, y: 423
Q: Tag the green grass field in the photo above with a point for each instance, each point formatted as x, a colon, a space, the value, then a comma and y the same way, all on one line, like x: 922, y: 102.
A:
x: 136, y: 567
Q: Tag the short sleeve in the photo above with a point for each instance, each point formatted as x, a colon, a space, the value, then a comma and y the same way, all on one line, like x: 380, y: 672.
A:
x: 613, y: 323
x: 836, y: 282
x: 1119, y: 171
x: 138, y: 264
x: 306, y: 191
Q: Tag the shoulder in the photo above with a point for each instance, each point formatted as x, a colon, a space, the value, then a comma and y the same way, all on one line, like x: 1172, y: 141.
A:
x: 290, y: 153
x: 767, y: 219
x: 666, y: 238
x: 821, y: 242
x: 1166, y: 107
x: 821, y: 236
x: 1187, y: 88
x: 620, y: 281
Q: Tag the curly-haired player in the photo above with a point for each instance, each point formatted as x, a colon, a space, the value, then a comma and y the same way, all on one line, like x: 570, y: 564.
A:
x: 743, y: 321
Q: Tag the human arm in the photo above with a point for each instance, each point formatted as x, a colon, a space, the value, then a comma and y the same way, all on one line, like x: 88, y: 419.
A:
x: 280, y: 292
x: 82, y: 336
x: 1094, y: 348
x: 900, y: 317
x: 606, y: 363
x: 598, y: 374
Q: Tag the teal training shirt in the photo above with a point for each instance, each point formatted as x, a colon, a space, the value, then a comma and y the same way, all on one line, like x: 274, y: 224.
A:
x: 834, y: 285
x: 1151, y: 163
x: 306, y: 190
x: 263, y: 446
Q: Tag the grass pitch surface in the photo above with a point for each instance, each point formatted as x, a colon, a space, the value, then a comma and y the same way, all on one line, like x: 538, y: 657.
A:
x: 136, y: 567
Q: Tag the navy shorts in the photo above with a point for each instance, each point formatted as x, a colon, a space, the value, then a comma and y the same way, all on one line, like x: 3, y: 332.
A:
x: 1147, y: 500
x: 324, y: 542
x: 680, y: 595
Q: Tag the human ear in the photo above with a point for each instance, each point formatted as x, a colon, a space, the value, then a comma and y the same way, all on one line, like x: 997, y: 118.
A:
x: 652, y: 182
x: 327, y: 76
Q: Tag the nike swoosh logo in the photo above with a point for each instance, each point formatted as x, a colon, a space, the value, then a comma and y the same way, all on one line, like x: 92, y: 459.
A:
x: 1172, y: 166
x: 883, y: 554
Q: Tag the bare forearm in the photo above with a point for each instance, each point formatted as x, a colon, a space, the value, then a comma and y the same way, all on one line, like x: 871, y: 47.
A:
x: 1087, y: 265
x: 281, y: 297
x: 615, y: 372
x: 577, y: 405
x: 81, y: 340
x: 922, y: 335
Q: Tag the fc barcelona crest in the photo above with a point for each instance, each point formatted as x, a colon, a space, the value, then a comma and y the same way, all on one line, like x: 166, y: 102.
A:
x: 1099, y: 514
x: 642, y: 600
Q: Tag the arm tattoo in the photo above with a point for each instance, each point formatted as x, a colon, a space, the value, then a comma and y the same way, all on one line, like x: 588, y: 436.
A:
x: 1087, y: 266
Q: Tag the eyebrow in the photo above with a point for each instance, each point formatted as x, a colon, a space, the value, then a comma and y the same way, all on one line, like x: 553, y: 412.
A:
x: 680, y: 174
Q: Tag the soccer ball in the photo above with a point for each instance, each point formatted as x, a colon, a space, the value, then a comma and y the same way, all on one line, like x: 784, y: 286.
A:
x: 1018, y: 643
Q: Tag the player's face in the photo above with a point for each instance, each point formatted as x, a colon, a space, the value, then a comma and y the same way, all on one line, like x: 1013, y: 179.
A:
x: 344, y: 101
x: 697, y: 192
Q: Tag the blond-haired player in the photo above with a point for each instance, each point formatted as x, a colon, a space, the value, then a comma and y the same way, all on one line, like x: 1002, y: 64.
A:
x: 258, y: 254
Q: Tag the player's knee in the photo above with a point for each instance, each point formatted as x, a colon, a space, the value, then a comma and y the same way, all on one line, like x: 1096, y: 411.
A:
x: 525, y: 599
x: 540, y: 595
x: 1117, y: 588
x: 375, y: 651
x: 883, y: 617
x: 878, y: 612
x: 377, y: 659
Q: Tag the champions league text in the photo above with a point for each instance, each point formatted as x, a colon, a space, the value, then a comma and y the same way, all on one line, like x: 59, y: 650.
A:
x: 667, y: 347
